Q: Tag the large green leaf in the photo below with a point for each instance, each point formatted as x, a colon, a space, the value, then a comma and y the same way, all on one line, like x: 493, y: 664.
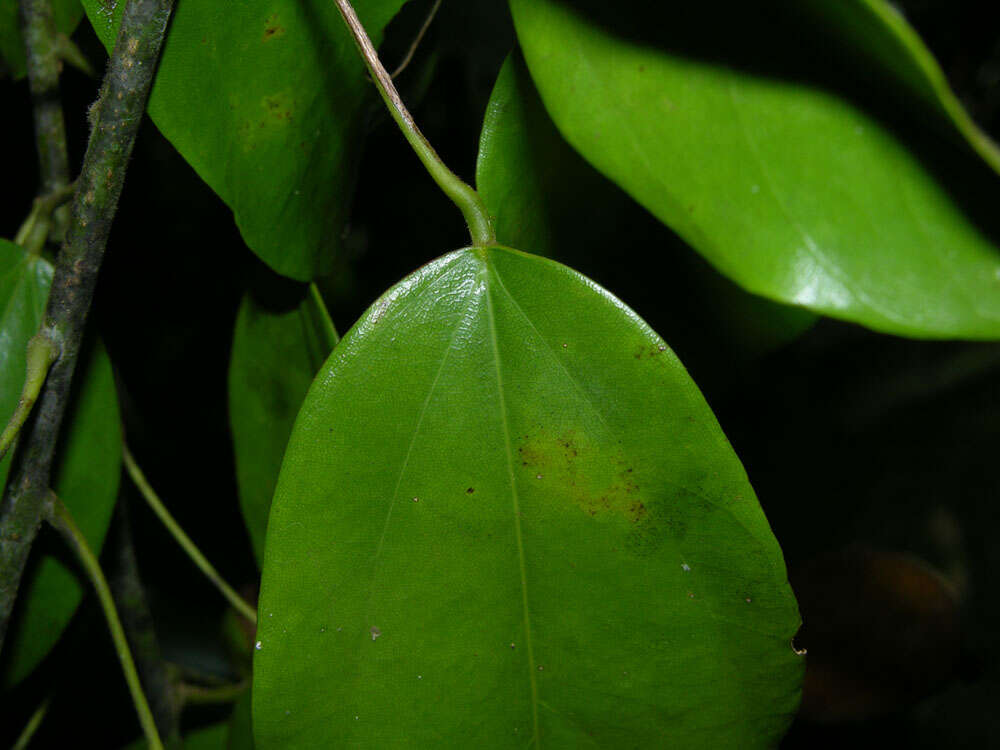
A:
x: 734, y: 135
x: 264, y: 99
x: 506, y: 515
x: 277, y: 350
x: 532, y: 182
x: 67, y: 14
x: 543, y: 196
x: 878, y: 30
x: 87, y: 472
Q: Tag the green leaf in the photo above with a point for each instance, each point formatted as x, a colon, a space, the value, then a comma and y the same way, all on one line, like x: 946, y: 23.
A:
x: 67, y: 15
x: 88, y: 466
x: 542, y: 196
x: 264, y: 99
x: 277, y: 350
x: 879, y: 31
x: 532, y: 182
x: 506, y: 515
x: 733, y: 136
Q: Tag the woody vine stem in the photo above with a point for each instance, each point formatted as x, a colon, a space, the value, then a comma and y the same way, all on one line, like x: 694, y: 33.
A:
x: 27, y: 499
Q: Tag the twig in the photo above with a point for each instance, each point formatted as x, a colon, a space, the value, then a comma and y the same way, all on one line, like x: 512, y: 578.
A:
x: 62, y: 521
x: 158, y: 678
x: 42, y: 56
x: 154, y: 502
x: 462, y: 195
x: 417, y: 39
x: 330, y: 336
x: 119, y: 111
x: 24, y: 739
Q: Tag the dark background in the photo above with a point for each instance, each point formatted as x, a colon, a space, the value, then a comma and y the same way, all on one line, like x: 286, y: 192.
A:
x: 867, y: 451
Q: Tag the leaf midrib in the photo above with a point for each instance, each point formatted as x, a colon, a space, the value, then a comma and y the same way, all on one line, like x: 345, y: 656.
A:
x: 485, y: 278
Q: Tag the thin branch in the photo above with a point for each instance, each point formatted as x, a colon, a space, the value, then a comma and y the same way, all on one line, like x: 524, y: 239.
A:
x: 330, y: 336
x: 158, y: 677
x: 417, y: 39
x: 24, y: 739
x: 118, y: 111
x: 154, y: 502
x: 461, y: 194
x: 42, y: 61
x: 63, y: 522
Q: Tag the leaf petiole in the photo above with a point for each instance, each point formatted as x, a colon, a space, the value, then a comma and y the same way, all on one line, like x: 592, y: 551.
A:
x: 24, y: 739
x: 35, y: 230
x: 62, y: 520
x: 43, y: 350
x: 154, y: 502
x: 461, y: 194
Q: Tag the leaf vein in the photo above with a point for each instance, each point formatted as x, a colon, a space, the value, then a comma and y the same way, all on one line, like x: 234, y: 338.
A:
x: 517, y: 511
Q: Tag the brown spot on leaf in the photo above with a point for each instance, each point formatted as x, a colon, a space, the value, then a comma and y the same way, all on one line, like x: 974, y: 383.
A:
x: 278, y: 107
x: 272, y: 28
x: 649, y: 350
x: 597, y: 478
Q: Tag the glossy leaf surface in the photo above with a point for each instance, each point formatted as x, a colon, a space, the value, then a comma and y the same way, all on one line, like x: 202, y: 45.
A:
x: 506, y: 515
x: 67, y: 14
x: 87, y: 472
x: 879, y: 31
x: 276, y: 353
x: 542, y: 196
x: 264, y: 99
x: 741, y: 140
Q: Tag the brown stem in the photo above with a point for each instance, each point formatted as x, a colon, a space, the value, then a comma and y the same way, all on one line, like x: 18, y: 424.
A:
x: 118, y: 110
x: 42, y: 59
x: 130, y: 598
